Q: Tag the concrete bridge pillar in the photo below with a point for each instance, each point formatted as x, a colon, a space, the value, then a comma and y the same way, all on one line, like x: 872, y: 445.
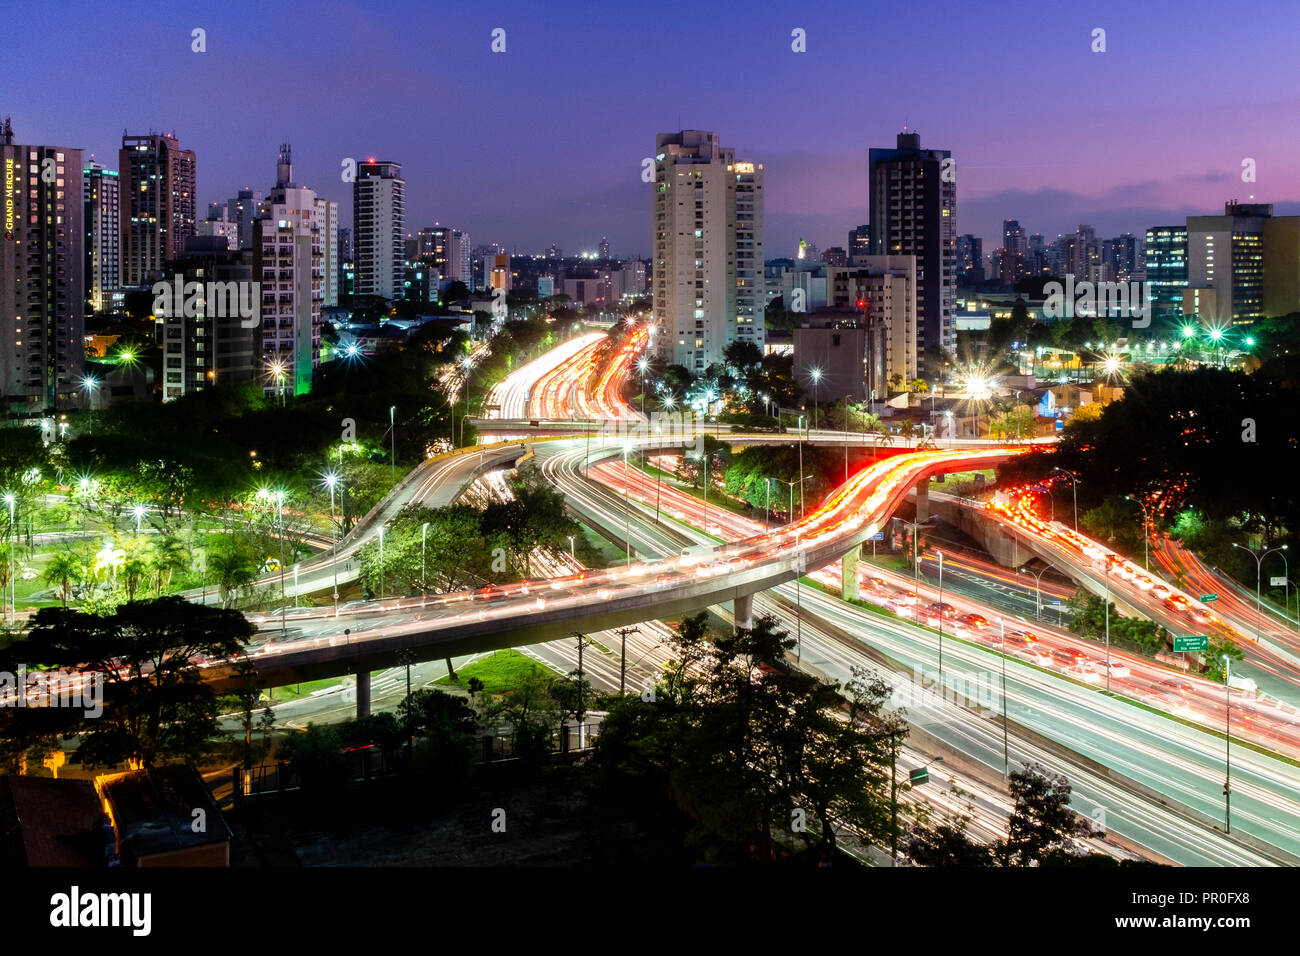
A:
x: 363, y: 694
x: 743, y: 611
x: 849, y: 574
x: 922, y: 499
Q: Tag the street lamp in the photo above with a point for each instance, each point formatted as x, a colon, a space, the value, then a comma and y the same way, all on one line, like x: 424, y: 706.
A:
x: 1038, y: 593
x: 940, y: 554
x: 816, y: 375
x: 89, y: 383
x: 1259, y: 564
x: 573, y: 552
x: 279, y: 511
x: 138, y: 511
x: 392, y: 440
x: 792, y: 483
x: 1227, y: 745
x: 330, y: 480
x: 381, y: 562
x: 643, y: 363
x: 1074, y: 484
x: 1006, y: 750
x: 1146, y: 527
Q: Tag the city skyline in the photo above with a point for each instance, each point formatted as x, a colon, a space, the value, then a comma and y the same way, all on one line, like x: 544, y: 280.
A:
x: 1140, y: 167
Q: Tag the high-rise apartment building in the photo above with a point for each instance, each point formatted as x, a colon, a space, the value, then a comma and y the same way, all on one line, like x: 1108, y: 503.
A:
x: 287, y: 263
x: 215, y: 346
x: 1166, y: 269
x: 158, y: 204
x: 102, y: 219
x: 1015, y: 248
x: 327, y: 222
x: 970, y: 258
x: 42, y: 302
x: 859, y: 243
x: 708, y: 249
x: 913, y: 202
x: 882, y: 289
x: 1121, y: 257
x: 448, y: 250
x: 1226, y: 254
x: 378, y: 228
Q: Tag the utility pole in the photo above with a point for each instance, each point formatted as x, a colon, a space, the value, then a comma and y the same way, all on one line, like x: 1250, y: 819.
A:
x: 1006, y: 752
x: 1227, y: 746
x: 623, y: 632
x: 582, y: 642
x: 940, y: 554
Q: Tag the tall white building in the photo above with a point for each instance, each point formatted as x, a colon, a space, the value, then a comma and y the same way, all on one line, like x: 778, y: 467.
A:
x: 379, y: 228
x: 287, y: 263
x: 102, y: 217
x: 327, y: 219
x: 708, y: 249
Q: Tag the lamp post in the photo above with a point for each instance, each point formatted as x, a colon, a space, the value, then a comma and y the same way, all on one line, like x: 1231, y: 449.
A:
x: 1146, y: 527
x: 816, y: 375
x: 1074, y: 484
x: 90, y: 384
x: 1038, y: 593
x: 627, y: 502
x: 847, y: 399
x: 1259, y: 564
x: 940, y: 554
x: 138, y: 511
x: 573, y: 553
x: 279, y: 510
x: 1108, y: 628
x: 381, y: 562
x: 791, y: 484
x: 643, y: 363
x: 392, y: 440
x: 1006, y: 751
x: 331, y: 479
x: 1227, y: 746
x: 802, y: 512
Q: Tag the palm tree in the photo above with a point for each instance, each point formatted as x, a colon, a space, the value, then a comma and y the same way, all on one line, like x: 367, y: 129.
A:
x: 65, y: 570
x: 169, y: 556
x: 907, y: 429
x: 232, y: 569
x: 918, y: 385
x: 134, y: 570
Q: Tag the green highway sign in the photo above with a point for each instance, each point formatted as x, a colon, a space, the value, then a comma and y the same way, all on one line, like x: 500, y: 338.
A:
x: 1205, y: 598
x: 919, y: 777
x: 1191, y: 644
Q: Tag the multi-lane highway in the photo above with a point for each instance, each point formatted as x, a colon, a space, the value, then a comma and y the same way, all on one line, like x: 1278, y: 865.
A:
x: 1174, y: 761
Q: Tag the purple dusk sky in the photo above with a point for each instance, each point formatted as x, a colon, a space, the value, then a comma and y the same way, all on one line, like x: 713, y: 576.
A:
x: 544, y: 142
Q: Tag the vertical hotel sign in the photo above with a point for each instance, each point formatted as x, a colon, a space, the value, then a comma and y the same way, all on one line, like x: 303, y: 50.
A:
x: 9, y: 198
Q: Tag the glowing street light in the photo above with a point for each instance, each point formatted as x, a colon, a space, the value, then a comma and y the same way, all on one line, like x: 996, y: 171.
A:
x: 331, y: 480
x: 138, y: 511
x: 89, y: 384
